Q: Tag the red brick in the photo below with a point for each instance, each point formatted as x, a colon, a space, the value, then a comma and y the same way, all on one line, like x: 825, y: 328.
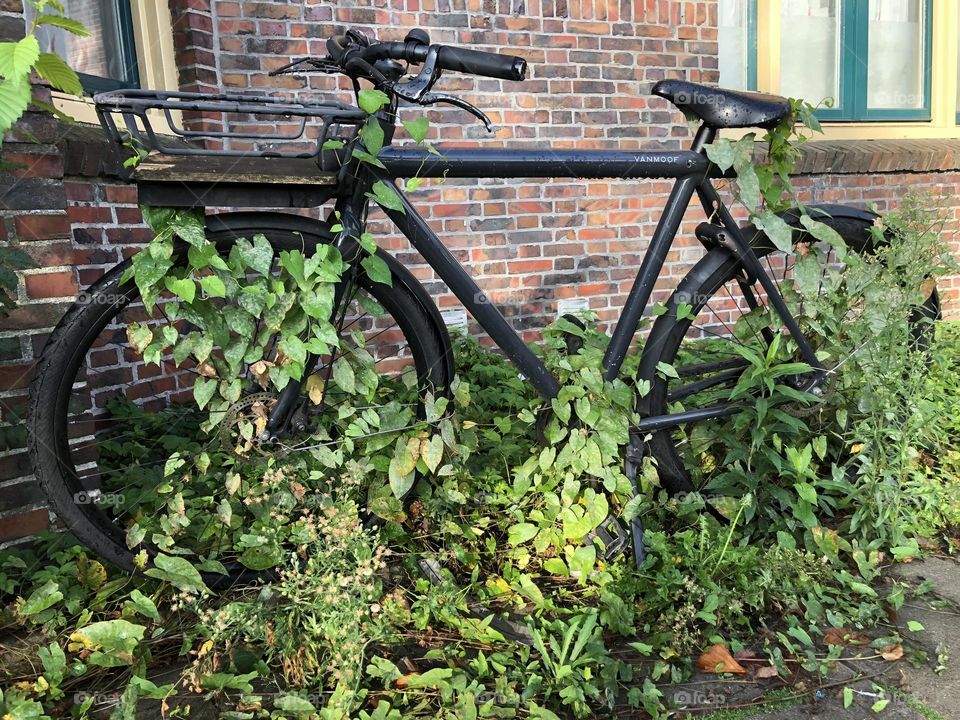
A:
x: 15, y: 377
x: 40, y: 165
x: 21, y: 525
x: 42, y: 227
x: 89, y: 215
x: 52, y: 285
x: 121, y: 194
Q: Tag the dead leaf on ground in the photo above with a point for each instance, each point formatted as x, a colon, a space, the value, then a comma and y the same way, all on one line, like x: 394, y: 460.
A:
x: 717, y: 659
x: 767, y: 672
x: 844, y: 637
x: 892, y: 652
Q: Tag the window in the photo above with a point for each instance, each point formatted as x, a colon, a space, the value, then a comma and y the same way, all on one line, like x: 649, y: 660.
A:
x: 871, y: 59
x: 737, y: 37
x: 130, y: 45
x: 107, y: 58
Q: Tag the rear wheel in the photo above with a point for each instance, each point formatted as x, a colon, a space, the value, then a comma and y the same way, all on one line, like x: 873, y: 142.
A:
x: 697, y: 350
x: 103, y: 424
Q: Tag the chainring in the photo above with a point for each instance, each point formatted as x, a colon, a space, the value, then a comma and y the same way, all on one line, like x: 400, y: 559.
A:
x: 828, y: 388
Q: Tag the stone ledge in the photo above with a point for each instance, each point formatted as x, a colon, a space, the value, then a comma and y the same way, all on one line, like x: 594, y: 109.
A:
x: 860, y: 157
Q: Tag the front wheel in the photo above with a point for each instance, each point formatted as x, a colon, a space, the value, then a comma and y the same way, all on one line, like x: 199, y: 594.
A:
x: 104, y: 424
x: 718, y: 323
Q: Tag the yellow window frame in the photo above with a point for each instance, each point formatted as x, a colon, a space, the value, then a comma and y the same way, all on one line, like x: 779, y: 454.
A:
x: 943, y: 90
x: 153, y: 35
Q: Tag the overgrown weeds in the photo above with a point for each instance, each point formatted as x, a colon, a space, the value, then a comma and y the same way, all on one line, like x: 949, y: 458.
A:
x: 345, y: 622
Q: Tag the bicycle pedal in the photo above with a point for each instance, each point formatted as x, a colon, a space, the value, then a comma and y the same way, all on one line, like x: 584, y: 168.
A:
x: 615, y: 538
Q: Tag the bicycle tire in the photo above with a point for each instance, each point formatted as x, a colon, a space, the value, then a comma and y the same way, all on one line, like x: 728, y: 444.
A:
x: 702, y: 283
x: 68, y: 347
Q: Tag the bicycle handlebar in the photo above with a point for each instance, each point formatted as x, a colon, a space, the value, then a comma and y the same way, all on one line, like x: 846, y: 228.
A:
x: 474, y: 62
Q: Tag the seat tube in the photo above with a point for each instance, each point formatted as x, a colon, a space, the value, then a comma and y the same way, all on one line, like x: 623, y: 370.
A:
x: 650, y: 268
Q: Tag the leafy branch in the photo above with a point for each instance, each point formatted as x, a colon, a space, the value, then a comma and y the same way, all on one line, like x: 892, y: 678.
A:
x: 19, y: 59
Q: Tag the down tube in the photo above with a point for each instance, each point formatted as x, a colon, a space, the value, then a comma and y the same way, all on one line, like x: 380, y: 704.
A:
x: 411, y: 224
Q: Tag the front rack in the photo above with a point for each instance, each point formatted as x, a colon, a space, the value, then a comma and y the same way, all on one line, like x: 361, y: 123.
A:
x: 242, y: 136
x: 225, y: 124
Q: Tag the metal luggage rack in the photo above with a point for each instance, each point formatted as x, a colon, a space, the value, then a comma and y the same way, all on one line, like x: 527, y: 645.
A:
x: 247, y: 139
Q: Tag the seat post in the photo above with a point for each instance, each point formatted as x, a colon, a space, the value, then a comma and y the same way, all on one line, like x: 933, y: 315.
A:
x: 705, y: 135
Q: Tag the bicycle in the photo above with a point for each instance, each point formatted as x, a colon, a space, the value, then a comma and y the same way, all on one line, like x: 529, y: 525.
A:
x: 76, y: 445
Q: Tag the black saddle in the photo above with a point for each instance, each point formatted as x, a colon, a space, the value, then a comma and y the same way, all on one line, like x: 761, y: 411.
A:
x: 720, y: 108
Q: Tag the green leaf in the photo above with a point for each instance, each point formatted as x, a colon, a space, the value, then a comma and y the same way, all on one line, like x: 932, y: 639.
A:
x: 16, y: 58
x: 213, y: 286
x: 139, y: 336
x: 373, y: 137
x: 722, y: 153
x: 377, y: 269
x: 203, y: 390
x: 824, y: 233
x: 42, y: 598
x: 417, y: 128
x: 344, y: 376
x: 257, y: 256
x: 521, y: 533
x: 64, y: 23
x: 294, y: 349
x: 112, y: 637
x: 179, y: 572
x: 295, y: 705
x: 229, y: 681
x: 847, y: 697
x: 143, y: 605
x: 184, y: 288
x: 432, y: 452
x: 386, y: 196
x: 807, y: 492
x: 371, y: 100
x: 914, y: 626
x: 60, y: 75
x: 776, y: 228
x: 14, y: 100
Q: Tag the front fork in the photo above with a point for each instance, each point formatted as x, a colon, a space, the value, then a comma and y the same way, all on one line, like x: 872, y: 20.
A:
x: 351, y: 215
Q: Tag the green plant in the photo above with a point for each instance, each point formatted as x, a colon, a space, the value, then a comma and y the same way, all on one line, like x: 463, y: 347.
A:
x: 19, y: 59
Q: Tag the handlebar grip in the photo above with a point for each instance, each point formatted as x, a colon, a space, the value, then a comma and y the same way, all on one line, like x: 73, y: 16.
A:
x: 477, y: 62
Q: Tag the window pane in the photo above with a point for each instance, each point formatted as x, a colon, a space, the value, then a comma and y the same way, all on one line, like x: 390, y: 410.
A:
x: 895, y: 60
x: 101, y: 53
x: 733, y: 38
x: 809, y: 49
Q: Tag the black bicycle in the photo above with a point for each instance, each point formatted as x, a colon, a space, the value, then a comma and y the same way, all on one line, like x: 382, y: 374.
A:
x: 97, y: 480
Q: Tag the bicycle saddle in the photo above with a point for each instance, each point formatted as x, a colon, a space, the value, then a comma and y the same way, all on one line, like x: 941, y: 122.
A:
x: 720, y: 108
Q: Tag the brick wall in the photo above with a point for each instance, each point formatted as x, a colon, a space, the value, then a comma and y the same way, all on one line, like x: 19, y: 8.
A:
x: 592, y: 63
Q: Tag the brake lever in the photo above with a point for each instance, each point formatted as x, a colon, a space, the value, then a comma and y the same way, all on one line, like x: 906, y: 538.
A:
x: 434, y: 98
x: 325, y: 65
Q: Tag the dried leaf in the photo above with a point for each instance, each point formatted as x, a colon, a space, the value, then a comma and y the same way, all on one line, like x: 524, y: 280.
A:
x: 717, y: 659
x: 261, y: 373
x: 206, y: 370
x: 767, y: 672
x: 315, y: 388
x: 844, y: 637
x: 892, y: 652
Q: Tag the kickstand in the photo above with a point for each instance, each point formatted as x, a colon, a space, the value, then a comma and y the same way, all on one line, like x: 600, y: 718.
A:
x: 634, y: 457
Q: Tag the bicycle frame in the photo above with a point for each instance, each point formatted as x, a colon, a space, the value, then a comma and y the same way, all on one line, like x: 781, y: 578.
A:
x: 692, y: 173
